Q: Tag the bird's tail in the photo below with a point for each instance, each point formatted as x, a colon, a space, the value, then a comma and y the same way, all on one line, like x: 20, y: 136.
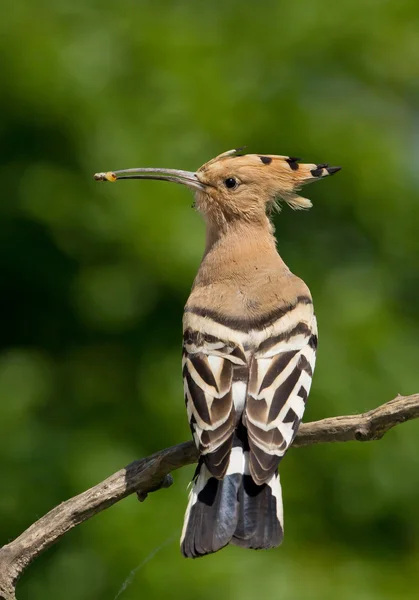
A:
x: 232, y: 510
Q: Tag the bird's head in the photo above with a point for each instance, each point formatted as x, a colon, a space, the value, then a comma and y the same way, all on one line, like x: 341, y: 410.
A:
x: 238, y: 186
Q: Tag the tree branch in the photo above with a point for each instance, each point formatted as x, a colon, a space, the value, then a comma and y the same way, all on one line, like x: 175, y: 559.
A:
x: 152, y: 473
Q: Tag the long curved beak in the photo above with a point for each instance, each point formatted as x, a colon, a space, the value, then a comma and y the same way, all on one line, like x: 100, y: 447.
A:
x: 187, y: 178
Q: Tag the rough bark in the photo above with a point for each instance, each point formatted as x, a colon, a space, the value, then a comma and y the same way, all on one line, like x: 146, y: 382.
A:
x: 152, y: 473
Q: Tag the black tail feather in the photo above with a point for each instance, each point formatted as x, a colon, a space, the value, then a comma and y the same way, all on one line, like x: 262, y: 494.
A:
x: 260, y: 519
x: 212, y: 517
x: 232, y: 510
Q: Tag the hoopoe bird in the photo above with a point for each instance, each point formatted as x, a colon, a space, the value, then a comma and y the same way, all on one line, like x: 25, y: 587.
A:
x: 249, y: 347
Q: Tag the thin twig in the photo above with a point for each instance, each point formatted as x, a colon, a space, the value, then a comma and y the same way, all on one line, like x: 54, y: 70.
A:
x: 153, y: 472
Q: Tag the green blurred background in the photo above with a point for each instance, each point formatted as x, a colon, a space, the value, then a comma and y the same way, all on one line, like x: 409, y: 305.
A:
x: 95, y: 276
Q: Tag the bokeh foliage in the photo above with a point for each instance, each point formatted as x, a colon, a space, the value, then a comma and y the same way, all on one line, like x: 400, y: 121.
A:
x: 94, y: 277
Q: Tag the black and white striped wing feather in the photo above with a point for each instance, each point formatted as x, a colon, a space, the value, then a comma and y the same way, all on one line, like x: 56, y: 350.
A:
x: 280, y: 380
x: 212, y: 373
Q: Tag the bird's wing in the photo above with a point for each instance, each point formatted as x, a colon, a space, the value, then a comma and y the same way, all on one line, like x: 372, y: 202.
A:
x: 279, y: 383
x: 215, y: 375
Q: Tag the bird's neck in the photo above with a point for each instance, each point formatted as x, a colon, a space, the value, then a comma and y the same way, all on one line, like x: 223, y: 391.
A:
x: 238, y: 251
x: 235, y: 231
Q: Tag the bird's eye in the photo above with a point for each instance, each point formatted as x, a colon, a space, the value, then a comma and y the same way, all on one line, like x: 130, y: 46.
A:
x: 231, y: 183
